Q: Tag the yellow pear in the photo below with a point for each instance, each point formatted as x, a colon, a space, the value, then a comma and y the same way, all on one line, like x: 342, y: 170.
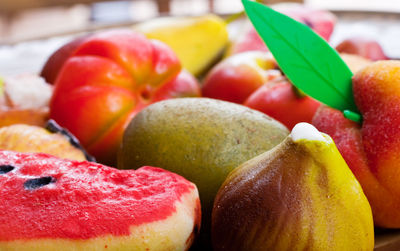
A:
x: 197, y: 41
x: 300, y: 195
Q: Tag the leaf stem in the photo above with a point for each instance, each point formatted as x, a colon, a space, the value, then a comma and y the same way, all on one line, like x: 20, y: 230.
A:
x: 352, y: 116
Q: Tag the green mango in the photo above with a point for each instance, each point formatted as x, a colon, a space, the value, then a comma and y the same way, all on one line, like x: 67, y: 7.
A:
x: 199, y: 138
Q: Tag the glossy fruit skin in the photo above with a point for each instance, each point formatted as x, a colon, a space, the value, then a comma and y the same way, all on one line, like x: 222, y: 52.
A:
x: 297, y: 196
x: 236, y: 77
x: 110, y: 77
x: 372, y: 149
x: 55, y: 62
x: 252, y: 79
x: 281, y: 101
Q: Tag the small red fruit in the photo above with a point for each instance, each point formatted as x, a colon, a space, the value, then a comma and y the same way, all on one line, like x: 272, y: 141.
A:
x: 106, y: 79
x: 283, y: 102
x: 252, y: 79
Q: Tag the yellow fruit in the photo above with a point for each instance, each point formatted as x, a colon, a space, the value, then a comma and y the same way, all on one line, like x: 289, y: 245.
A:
x: 1, y: 86
x: 355, y: 62
x: 197, y: 41
x: 29, y: 138
x: 300, y: 195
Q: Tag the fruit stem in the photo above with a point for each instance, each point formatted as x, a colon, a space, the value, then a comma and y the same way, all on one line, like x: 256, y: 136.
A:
x: 1, y: 86
x: 238, y: 15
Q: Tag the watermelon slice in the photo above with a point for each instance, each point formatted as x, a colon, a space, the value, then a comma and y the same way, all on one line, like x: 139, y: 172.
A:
x: 55, y: 204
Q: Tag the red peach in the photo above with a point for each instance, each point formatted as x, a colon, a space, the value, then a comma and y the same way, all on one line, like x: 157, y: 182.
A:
x: 237, y: 77
x: 107, y: 79
x: 252, y: 79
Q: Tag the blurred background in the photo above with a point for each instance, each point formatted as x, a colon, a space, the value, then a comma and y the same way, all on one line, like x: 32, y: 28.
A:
x: 31, y: 19
x: 43, y: 22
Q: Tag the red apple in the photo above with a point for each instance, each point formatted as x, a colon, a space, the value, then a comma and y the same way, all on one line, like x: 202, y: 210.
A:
x: 364, y: 47
x: 238, y: 76
x: 252, y: 79
x: 283, y: 102
x: 322, y: 22
x: 107, y: 79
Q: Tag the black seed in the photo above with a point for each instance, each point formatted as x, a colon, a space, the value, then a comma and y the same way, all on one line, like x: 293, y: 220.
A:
x: 53, y: 127
x: 38, y: 182
x: 6, y: 168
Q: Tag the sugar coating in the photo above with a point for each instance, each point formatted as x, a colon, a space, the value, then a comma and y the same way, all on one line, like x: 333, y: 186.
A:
x: 47, y: 197
x: 306, y: 131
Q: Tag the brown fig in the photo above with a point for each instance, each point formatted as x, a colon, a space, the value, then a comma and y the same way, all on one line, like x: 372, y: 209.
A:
x: 298, y: 196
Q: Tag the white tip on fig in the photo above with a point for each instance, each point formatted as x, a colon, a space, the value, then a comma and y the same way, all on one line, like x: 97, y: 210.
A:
x: 305, y: 131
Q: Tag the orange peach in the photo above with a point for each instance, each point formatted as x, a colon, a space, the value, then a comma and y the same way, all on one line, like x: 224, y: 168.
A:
x: 372, y: 150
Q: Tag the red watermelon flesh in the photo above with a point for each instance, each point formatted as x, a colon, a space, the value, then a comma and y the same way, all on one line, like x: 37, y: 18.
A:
x: 46, y: 197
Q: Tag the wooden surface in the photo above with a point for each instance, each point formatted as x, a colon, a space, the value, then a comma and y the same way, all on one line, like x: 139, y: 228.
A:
x: 387, y: 240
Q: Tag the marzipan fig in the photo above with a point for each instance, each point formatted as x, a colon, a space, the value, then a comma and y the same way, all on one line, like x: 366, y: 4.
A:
x: 300, y: 195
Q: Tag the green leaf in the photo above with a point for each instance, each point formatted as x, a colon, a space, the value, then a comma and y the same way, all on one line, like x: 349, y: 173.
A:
x: 307, y: 59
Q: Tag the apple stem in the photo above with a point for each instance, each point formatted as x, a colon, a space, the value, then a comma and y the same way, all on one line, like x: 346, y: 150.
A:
x: 234, y: 17
x: 238, y: 15
x: 352, y: 116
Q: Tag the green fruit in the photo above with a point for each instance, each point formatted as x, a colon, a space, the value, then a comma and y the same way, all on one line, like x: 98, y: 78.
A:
x: 198, y: 138
x: 301, y: 195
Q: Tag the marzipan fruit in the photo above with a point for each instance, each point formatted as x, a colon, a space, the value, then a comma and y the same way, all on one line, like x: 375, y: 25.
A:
x: 197, y: 41
x: 53, y: 140
x: 300, y: 195
x: 52, y: 204
x: 202, y: 140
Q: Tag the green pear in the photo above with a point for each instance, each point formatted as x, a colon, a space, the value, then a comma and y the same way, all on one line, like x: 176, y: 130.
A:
x: 300, y: 195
